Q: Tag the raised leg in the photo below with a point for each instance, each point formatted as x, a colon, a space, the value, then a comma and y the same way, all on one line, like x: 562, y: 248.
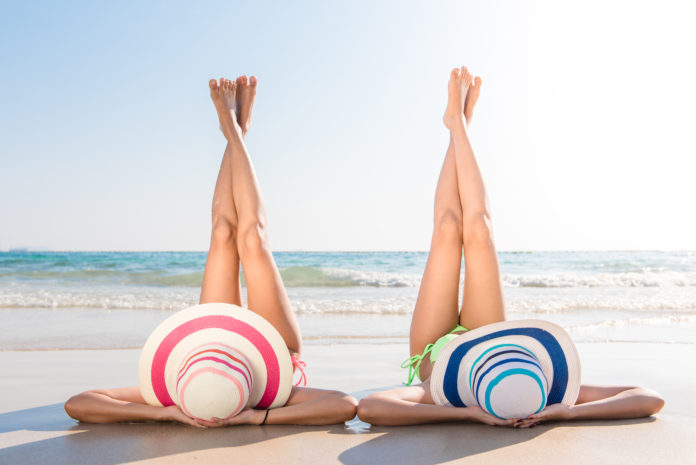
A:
x: 221, y: 276
x: 482, y: 302
x: 245, y: 225
x: 436, y: 311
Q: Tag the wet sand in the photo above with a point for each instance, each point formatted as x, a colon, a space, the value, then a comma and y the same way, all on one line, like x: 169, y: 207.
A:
x: 35, y: 429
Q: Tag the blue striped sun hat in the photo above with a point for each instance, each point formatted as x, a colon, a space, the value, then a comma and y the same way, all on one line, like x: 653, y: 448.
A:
x: 510, y: 369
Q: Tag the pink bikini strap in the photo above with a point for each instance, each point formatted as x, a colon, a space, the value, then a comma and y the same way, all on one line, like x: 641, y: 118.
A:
x: 299, y: 364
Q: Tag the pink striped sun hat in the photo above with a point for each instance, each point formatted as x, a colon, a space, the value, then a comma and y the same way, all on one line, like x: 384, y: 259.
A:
x: 214, y: 360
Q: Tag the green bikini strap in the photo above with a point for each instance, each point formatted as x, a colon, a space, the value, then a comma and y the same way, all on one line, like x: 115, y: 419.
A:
x: 413, y: 364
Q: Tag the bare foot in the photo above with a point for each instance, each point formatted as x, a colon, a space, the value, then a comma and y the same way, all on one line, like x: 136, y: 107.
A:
x: 471, y: 98
x: 460, y: 80
x: 246, y: 94
x: 224, y: 98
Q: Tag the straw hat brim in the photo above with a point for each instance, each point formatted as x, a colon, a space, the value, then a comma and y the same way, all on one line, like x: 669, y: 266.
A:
x: 551, y: 344
x: 226, y: 324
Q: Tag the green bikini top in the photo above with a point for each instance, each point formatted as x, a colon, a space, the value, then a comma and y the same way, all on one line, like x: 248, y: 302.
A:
x: 413, y: 363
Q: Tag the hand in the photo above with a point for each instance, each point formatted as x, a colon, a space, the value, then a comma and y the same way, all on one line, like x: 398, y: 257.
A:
x: 477, y: 414
x: 245, y: 417
x: 551, y: 412
x: 174, y: 413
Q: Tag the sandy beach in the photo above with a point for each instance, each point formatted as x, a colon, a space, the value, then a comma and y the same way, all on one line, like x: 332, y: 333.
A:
x: 35, y: 429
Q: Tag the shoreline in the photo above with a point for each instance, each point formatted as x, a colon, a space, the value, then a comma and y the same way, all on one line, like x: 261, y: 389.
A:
x: 30, y: 329
x: 333, y: 341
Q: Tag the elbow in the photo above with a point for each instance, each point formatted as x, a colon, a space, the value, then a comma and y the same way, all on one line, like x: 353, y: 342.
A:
x: 340, y: 408
x: 368, y: 410
x: 349, y: 408
x: 647, y: 402
x: 653, y: 403
x: 346, y: 407
x: 78, y: 407
x: 73, y: 407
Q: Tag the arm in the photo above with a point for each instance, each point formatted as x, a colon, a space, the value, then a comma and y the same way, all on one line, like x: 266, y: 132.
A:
x: 305, y: 406
x: 120, y: 405
x: 602, y: 403
x: 414, y: 406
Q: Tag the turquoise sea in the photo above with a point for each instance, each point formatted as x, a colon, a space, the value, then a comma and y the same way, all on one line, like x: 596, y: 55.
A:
x: 71, y: 300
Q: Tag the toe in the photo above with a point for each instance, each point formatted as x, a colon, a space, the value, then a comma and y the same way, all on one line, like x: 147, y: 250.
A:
x: 239, y: 81
x: 477, y: 82
x: 213, y: 84
x: 455, y: 72
x: 244, y: 79
x: 253, y: 81
x: 466, y: 76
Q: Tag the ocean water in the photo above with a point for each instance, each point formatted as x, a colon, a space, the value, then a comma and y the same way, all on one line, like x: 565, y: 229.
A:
x: 72, y: 300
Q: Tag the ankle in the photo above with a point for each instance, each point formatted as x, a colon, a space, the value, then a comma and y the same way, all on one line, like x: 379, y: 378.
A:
x: 457, y: 123
x: 467, y: 117
x: 233, y: 132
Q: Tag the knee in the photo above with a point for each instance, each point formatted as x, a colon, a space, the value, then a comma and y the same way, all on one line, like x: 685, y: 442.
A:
x: 448, y: 225
x: 478, y: 229
x: 223, y: 231
x: 254, y: 239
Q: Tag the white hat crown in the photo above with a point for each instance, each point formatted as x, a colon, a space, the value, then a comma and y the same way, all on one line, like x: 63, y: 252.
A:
x: 511, y: 369
x: 213, y: 380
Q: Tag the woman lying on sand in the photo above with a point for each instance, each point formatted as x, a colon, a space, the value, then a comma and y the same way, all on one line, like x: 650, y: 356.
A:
x: 238, y: 235
x: 462, y: 220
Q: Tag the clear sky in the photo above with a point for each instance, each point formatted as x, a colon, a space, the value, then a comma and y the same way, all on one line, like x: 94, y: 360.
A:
x: 584, y: 130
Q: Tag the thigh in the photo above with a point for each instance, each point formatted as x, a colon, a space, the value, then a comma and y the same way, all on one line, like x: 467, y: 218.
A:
x: 436, y: 309
x: 266, y: 296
